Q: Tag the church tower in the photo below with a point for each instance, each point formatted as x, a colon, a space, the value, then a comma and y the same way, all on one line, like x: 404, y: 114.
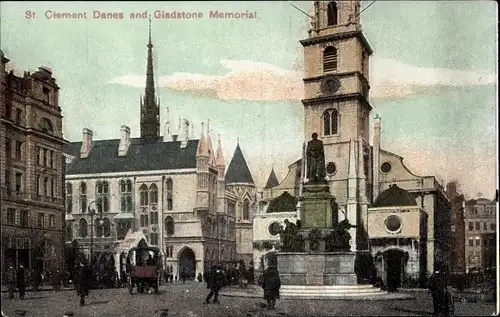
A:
x: 336, y: 104
x: 150, y: 106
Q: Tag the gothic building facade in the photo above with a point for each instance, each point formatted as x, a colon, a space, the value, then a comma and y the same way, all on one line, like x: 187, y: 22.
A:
x: 169, y: 189
x: 31, y: 166
x: 337, y: 107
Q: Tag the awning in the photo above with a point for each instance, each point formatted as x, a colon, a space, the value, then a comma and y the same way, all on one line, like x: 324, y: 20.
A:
x: 69, y: 217
x: 131, y: 240
x: 124, y: 215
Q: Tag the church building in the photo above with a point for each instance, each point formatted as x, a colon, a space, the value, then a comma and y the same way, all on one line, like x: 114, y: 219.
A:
x: 171, y: 191
x: 402, y: 220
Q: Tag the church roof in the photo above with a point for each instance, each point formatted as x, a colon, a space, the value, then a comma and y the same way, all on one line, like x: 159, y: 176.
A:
x: 394, y: 196
x: 238, y: 171
x: 283, y: 203
x: 272, y: 181
x: 103, y: 157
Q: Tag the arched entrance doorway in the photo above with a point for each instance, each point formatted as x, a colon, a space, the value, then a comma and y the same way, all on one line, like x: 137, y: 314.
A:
x: 187, y: 263
x: 394, y: 262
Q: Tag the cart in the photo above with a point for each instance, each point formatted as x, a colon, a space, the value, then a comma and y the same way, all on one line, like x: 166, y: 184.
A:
x: 145, y: 272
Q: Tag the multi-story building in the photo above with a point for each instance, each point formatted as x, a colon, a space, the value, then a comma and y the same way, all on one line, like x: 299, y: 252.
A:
x: 169, y: 190
x: 31, y: 165
x: 480, y: 220
x: 457, y: 254
x: 337, y: 107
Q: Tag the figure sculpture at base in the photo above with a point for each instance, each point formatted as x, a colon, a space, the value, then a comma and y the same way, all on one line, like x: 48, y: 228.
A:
x: 339, y: 238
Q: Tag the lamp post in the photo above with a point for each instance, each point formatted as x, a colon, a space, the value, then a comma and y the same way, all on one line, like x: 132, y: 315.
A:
x: 92, y: 212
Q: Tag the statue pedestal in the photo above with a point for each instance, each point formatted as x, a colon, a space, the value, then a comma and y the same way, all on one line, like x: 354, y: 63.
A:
x: 316, y: 210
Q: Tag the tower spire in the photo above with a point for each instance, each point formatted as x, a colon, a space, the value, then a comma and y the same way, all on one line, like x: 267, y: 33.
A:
x: 150, y: 109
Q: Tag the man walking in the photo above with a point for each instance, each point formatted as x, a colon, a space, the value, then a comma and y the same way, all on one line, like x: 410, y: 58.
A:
x: 21, y: 281
x: 214, y: 282
x: 10, y: 277
x: 83, y: 282
x: 271, y: 284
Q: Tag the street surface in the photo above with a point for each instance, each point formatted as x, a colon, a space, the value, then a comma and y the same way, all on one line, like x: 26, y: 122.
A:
x: 186, y: 300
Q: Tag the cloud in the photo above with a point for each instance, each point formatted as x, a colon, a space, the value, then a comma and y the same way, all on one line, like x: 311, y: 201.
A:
x: 258, y: 81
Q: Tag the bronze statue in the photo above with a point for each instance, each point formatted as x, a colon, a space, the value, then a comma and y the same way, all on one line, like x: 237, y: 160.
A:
x: 290, y: 240
x: 315, y: 160
x: 339, y: 238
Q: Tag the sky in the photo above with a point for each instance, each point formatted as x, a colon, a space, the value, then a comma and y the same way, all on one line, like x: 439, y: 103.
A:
x: 433, y: 76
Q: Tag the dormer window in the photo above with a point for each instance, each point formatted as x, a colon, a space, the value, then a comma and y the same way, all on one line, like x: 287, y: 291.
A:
x: 332, y: 13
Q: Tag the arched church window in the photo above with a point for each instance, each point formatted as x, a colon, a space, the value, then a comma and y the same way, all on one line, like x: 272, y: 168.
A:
x: 330, y: 122
x: 246, y: 209
x: 107, y: 227
x: 143, y: 191
x: 332, y: 13
x: 83, y: 197
x: 153, y: 194
x: 69, y: 197
x: 169, y: 225
x: 170, y: 189
x: 83, y: 228
x: 329, y: 59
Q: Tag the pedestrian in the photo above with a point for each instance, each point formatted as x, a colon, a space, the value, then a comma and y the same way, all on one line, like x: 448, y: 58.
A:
x: 214, y: 283
x: 56, y: 281
x: 438, y: 291
x: 11, y: 276
x: 83, y: 282
x: 271, y: 284
x: 21, y: 281
x: 200, y: 277
x: 183, y: 277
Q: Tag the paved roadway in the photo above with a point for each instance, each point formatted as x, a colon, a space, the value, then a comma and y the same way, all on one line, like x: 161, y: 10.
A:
x: 186, y: 300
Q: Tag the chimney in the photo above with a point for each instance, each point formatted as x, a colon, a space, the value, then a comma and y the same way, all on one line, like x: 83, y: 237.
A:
x: 451, y: 189
x: 86, y: 143
x: 124, y: 141
x: 177, y: 130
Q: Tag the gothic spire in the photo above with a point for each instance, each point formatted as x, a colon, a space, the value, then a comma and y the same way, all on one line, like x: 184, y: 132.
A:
x: 150, y: 108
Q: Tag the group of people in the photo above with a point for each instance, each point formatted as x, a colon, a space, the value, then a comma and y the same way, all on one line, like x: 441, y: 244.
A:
x: 16, y: 279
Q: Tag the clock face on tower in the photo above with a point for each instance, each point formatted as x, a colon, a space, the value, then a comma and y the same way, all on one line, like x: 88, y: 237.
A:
x: 330, y: 85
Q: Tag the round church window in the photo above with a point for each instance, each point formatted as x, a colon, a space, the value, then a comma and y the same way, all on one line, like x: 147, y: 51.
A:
x: 393, y: 223
x: 331, y: 168
x: 386, y: 167
x: 274, y: 228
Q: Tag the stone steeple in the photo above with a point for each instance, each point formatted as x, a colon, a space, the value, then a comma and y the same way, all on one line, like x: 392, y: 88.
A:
x: 272, y: 181
x: 238, y: 171
x: 150, y: 106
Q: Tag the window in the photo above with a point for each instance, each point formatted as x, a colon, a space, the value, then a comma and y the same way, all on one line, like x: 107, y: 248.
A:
x: 37, y: 153
x: 38, y: 180
x: 83, y: 197
x: 471, y: 242
x: 478, y: 241
x: 24, y: 218
x: 246, y: 209
x: 45, y: 186
x: 83, y: 228
x: 154, y: 217
x: 169, y: 225
x: 478, y: 225
x: 41, y: 220
x: 332, y: 13
x: 170, y: 190
x: 144, y: 221
x: 52, y: 221
x: 153, y: 238
x: 330, y: 122
x: 98, y: 228
x: 19, y: 114
x: 8, y: 148
x: 153, y: 194
x: 11, y: 216
x: 46, y: 94
x: 69, y: 232
x: 492, y: 226
x: 52, y: 159
x: 107, y: 227
x: 46, y: 126
x: 102, y: 189
x: 169, y: 251
x: 19, y: 147
x: 126, y: 195
x: 471, y: 226
x: 19, y: 182
x: 52, y: 187
x: 69, y: 198
x: 45, y: 156
x: 485, y: 226
x: 329, y: 59
x: 143, y: 192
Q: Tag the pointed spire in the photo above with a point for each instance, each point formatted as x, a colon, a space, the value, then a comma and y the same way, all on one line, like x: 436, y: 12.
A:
x: 272, y: 181
x: 192, y: 131
x: 202, y: 145
x: 150, y: 82
x: 238, y: 171
x: 219, y: 160
x: 209, y: 145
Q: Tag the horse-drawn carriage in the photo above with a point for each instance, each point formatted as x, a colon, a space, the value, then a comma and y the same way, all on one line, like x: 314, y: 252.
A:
x: 144, y: 269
